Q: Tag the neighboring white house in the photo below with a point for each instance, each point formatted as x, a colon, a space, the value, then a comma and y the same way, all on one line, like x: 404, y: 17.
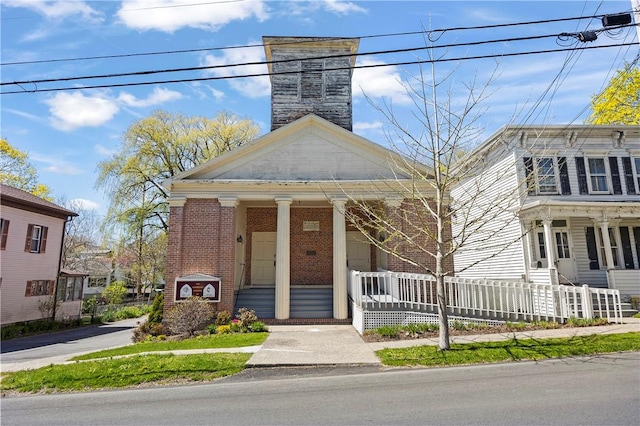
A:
x: 32, y: 235
x: 571, y: 210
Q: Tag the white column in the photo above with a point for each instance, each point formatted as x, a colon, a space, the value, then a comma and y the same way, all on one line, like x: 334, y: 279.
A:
x: 549, y: 243
x: 340, y: 307
x: 604, y: 230
x: 282, y: 258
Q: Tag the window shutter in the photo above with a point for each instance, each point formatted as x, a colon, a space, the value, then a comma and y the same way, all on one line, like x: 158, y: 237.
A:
x: 615, y: 175
x: 565, y: 186
x: 52, y: 285
x: 528, y: 168
x: 592, y: 248
x: 626, y: 247
x: 636, y: 236
x: 628, y: 176
x: 582, y: 176
x: 5, y: 233
x: 43, y: 239
x: 27, y: 292
x: 27, y: 244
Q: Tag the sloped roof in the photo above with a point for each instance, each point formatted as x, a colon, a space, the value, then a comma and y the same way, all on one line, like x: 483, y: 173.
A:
x: 23, y: 200
x: 309, y: 149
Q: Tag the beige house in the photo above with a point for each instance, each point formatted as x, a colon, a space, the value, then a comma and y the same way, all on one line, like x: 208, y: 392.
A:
x: 269, y: 217
x: 32, y: 235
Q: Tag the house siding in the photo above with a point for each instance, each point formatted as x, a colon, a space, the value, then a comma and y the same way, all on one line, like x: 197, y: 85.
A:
x: 19, y: 266
x: 496, y: 250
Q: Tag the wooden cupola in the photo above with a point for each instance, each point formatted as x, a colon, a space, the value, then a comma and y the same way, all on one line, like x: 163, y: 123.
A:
x: 311, y: 75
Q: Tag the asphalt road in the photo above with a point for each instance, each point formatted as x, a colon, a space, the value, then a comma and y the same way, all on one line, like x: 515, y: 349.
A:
x: 600, y: 390
x: 34, y: 351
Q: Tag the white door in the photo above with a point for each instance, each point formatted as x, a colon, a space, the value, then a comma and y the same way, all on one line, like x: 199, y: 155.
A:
x: 358, y: 252
x: 263, y: 258
x: 566, y: 266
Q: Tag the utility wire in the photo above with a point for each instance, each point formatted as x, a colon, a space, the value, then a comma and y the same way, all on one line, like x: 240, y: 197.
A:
x: 342, y: 55
x: 254, y: 63
x: 169, y: 52
x: 331, y: 69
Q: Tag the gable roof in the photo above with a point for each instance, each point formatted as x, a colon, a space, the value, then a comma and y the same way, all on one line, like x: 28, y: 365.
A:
x: 17, y: 198
x: 309, y: 149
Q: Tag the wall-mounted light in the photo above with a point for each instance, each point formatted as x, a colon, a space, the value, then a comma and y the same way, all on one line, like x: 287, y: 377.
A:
x: 239, y: 239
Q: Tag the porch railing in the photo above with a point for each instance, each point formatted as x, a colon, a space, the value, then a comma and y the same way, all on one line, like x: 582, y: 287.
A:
x: 487, y: 299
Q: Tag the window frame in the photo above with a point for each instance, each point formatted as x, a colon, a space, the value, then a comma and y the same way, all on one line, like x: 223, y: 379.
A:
x: 606, y: 174
x: 616, y: 248
x: 39, y: 244
x: 539, y: 177
x: 635, y: 165
x: 4, y: 233
x: 39, y: 288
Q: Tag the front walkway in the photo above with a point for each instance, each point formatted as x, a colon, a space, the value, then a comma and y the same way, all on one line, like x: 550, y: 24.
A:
x: 341, y: 345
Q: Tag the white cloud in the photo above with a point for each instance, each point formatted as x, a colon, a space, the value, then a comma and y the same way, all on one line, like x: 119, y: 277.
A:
x: 58, y: 9
x: 70, y: 111
x: 159, y: 96
x: 337, y: 7
x: 379, y: 82
x: 340, y: 7
x: 85, y: 204
x: 363, y: 127
x: 103, y: 150
x: 172, y: 15
x: 56, y: 166
x: 252, y: 87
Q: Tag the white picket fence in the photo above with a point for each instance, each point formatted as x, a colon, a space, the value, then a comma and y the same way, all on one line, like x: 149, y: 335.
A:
x: 391, y: 297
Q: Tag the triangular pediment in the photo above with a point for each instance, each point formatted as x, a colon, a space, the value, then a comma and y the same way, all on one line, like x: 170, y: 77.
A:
x: 309, y: 149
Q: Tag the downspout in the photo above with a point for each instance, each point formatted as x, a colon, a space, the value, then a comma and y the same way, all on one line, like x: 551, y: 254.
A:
x: 55, y: 287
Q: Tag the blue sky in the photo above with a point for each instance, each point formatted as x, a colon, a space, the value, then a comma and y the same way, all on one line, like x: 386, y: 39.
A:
x: 66, y: 133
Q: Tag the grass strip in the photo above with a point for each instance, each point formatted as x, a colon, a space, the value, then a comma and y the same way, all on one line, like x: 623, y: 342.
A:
x: 123, y: 372
x: 510, y: 350
x: 211, y: 341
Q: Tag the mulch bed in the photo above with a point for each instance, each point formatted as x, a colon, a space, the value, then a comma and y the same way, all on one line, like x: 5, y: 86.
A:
x: 370, y: 336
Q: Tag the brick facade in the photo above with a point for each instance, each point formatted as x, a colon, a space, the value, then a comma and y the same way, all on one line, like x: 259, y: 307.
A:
x: 201, y: 241
x: 311, y: 251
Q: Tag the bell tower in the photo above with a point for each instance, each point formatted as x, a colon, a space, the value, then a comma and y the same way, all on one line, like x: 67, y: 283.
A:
x: 311, y: 75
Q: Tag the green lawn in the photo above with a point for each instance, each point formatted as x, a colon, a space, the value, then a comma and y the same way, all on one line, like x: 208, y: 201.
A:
x: 511, y: 350
x: 122, y: 372
x: 202, y: 342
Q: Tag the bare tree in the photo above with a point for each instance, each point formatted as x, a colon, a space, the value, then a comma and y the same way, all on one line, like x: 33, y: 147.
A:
x: 435, y: 149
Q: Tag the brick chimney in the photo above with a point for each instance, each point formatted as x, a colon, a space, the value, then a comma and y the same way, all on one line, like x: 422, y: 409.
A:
x: 317, y: 84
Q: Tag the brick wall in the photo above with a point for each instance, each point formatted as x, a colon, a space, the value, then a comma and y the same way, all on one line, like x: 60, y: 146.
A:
x: 411, y: 218
x: 201, y: 240
x: 307, y: 268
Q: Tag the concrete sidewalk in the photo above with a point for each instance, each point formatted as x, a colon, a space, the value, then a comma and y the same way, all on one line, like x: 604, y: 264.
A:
x: 341, y: 345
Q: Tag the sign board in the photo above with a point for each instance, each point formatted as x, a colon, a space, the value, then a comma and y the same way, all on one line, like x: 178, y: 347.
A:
x: 205, y: 286
x: 311, y: 225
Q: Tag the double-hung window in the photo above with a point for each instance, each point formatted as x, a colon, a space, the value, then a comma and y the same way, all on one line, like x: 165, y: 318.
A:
x: 4, y: 224
x: 615, y: 250
x: 36, y: 241
x: 636, y: 164
x: 546, y: 176
x: 598, y: 180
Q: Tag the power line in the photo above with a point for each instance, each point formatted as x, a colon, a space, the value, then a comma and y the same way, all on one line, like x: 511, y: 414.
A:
x: 254, y: 63
x: 441, y: 31
x: 210, y: 67
x: 332, y: 69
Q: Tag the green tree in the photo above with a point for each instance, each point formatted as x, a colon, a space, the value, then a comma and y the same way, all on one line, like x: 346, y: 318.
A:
x: 17, y: 171
x: 619, y: 102
x: 154, y: 149
x: 115, y: 292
